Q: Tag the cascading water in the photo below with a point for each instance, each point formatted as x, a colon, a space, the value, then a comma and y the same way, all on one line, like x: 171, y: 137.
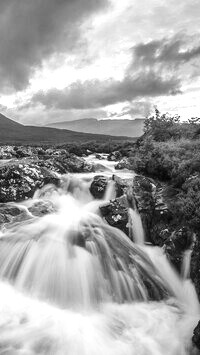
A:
x: 185, y: 271
x: 136, y: 228
x: 71, y: 284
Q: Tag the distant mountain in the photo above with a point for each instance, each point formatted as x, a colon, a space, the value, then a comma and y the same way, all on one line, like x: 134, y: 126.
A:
x: 128, y: 128
x: 12, y: 132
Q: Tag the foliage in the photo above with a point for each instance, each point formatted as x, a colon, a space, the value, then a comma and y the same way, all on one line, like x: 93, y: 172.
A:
x: 187, y: 206
x: 170, y: 151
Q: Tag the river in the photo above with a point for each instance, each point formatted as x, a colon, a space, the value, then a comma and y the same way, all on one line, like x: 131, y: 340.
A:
x: 72, y: 285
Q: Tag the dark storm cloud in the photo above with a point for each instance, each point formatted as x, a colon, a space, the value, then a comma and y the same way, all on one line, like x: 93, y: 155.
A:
x: 94, y: 94
x: 32, y: 30
x: 171, y: 52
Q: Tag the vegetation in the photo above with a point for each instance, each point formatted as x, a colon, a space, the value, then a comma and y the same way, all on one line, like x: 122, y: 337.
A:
x: 169, y: 151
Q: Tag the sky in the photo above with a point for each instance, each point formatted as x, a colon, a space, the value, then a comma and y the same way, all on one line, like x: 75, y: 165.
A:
x: 62, y: 60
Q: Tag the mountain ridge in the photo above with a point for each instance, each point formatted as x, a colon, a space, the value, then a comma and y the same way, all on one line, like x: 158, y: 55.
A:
x: 12, y: 132
x: 114, y: 127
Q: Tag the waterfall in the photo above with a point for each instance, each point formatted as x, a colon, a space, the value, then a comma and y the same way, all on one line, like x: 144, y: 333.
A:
x: 74, y: 259
x: 185, y: 270
x: 110, y: 192
x: 136, y: 229
x: 71, y: 284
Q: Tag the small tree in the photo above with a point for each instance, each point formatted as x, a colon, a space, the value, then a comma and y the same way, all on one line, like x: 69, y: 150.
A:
x: 161, y: 125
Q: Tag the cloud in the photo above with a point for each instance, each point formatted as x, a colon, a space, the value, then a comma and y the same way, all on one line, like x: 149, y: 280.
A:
x: 3, y: 108
x: 96, y: 93
x: 33, y: 30
x: 138, y: 108
x: 168, y: 52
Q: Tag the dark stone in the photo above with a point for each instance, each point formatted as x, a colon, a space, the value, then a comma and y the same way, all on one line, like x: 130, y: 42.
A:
x: 196, y: 336
x: 195, y: 265
x: 23, y: 152
x: 98, y: 186
x: 116, y: 213
x: 123, y: 164
x: 176, y: 244
x: 19, y: 179
x: 98, y: 156
x: 114, y: 156
x: 11, y: 213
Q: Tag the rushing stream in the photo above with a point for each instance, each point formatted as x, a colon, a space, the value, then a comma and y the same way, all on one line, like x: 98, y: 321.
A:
x: 73, y: 285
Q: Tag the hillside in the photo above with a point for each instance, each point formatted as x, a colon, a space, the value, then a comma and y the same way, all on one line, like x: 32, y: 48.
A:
x: 12, y: 132
x: 130, y: 128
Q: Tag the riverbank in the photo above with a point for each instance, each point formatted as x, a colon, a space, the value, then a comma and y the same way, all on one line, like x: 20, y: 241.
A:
x: 36, y: 181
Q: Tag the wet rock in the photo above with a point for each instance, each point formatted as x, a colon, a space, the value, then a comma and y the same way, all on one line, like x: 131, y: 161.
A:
x: 11, y: 213
x: 196, y: 336
x: 67, y: 163
x: 98, y: 156
x: 7, y: 152
x: 99, y: 168
x: 41, y: 208
x: 98, y: 186
x: 100, y: 182
x: 153, y: 208
x: 137, y: 192
x: 22, y: 152
x: 122, y: 185
x: 114, y: 156
x: 116, y: 213
x: 155, y: 204
x: 195, y: 265
x: 20, y: 179
x: 123, y: 164
x: 176, y: 244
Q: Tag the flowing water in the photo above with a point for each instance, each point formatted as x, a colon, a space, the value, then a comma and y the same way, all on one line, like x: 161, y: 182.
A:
x: 73, y: 285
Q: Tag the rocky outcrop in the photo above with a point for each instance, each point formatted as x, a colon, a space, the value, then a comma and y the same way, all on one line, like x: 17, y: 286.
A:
x: 196, y: 336
x: 195, y: 267
x: 11, y: 213
x: 98, y: 186
x: 41, y: 208
x: 99, y: 156
x: 176, y: 244
x: 114, y: 156
x: 116, y: 213
x: 100, y: 182
x: 153, y: 202
x: 123, y: 164
x: 20, y: 179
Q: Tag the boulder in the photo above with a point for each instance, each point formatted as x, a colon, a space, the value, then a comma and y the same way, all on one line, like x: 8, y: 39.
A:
x: 196, y: 336
x: 22, y: 152
x: 114, y: 156
x: 65, y: 163
x: 98, y: 156
x: 41, y: 208
x: 195, y: 265
x: 19, y: 179
x: 7, y: 152
x: 11, y: 213
x: 123, y: 164
x: 116, y: 213
x: 176, y: 244
x: 100, y: 182
x: 98, y: 186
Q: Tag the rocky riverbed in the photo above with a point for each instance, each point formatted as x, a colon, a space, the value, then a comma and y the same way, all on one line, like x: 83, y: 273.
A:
x: 23, y: 170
